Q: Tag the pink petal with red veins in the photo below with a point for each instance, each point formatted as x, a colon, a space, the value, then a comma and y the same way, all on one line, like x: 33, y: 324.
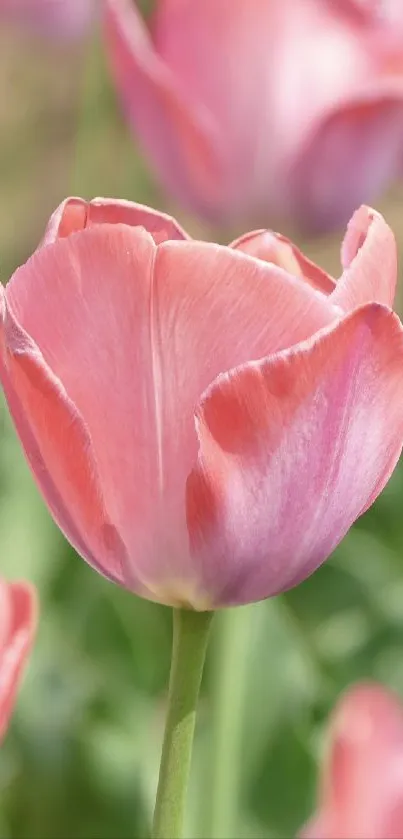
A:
x: 369, y: 260
x: 277, y: 249
x: 177, y: 133
x: 136, y: 333
x: 291, y: 449
x: 75, y: 214
x: 17, y: 629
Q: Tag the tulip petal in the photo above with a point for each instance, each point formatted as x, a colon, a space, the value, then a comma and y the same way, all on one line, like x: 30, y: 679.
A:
x: 143, y: 332
x: 369, y: 260
x: 17, y: 629
x: 362, y: 786
x: 63, y: 19
x: 353, y: 153
x: 291, y: 449
x: 317, y: 828
x: 180, y: 137
x: 5, y: 613
x: 277, y: 249
x: 75, y: 214
x: 58, y: 449
x: 374, y: 11
x: 369, y: 10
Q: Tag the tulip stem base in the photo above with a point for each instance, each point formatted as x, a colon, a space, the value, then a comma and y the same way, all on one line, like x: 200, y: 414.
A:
x: 190, y: 637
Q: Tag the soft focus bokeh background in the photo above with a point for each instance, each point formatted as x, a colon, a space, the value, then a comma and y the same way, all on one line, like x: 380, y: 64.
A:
x: 81, y: 757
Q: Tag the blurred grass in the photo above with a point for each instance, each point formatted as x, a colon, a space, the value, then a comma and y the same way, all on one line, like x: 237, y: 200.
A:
x: 81, y: 757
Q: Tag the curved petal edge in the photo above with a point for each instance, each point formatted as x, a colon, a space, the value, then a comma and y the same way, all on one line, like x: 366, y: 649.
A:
x: 292, y: 449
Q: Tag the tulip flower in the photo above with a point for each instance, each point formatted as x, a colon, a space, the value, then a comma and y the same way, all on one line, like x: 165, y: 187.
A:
x: 53, y: 18
x: 17, y: 627
x: 204, y: 422
x: 361, y: 790
x: 254, y: 110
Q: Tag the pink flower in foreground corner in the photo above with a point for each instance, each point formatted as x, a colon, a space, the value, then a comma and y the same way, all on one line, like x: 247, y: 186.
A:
x: 204, y: 422
x: 361, y: 790
x: 18, y: 610
x: 60, y: 18
x: 255, y: 110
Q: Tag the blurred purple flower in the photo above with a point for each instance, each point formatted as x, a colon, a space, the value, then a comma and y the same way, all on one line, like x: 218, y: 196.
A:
x: 254, y: 109
x: 55, y: 18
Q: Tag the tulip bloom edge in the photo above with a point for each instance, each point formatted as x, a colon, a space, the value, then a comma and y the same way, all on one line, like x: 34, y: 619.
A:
x: 172, y: 397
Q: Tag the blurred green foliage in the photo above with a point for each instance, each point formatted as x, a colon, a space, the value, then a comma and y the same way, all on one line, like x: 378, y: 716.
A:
x: 81, y: 757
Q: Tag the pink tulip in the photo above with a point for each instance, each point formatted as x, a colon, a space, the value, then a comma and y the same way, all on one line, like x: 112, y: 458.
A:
x: 204, y: 422
x: 251, y: 110
x: 361, y: 792
x: 18, y: 609
x: 60, y: 18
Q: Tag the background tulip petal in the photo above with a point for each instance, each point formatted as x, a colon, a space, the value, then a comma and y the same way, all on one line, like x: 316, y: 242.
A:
x: 178, y: 135
x: 361, y: 791
x: 17, y: 628
x: 5, y: 613
x: 316, y: 828
x: 349, y: 156
x: 281, y: 139
x: 60, y: 18
x: 277, y: 249
x: 375, y: 11
x: 369, y: 260
x: 291, y: 449
x: 75, y: 214
x: 150, y: 328
x: 236, y: 89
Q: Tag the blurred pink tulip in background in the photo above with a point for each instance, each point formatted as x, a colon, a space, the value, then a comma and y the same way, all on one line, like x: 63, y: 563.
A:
x: 53, y: 18
x: 18, y: 610
x: 204, y: 422
x: 361, y: 789
x: 254, y: 110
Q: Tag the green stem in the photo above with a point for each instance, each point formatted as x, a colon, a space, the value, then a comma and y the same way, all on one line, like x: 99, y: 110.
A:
x: 190, y: 636
x: 230, y: 679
